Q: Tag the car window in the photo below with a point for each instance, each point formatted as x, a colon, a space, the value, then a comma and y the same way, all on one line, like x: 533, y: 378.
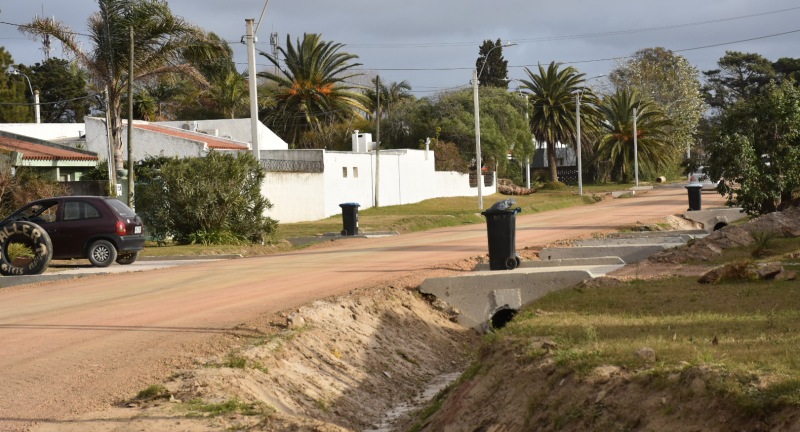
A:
x: 40, y: 213
x: 121, y: 209
x: 76, y: 210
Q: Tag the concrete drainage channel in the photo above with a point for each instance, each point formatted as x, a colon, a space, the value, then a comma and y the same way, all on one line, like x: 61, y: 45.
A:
x: 484, y: 299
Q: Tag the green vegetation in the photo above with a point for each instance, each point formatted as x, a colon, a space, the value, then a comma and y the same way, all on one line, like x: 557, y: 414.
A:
x: 155, y: 391
x: 197, y: 407
x: 746, y: 331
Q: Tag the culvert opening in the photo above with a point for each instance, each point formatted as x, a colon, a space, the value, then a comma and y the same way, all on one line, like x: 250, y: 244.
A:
x: 720, y: 225
x: 503, y: 317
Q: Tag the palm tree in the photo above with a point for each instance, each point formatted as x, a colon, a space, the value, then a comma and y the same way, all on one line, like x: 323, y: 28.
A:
x: 552, y: 107
x: 392, y: 93
x: 616, y: 145
x: 162, y: 44
x: 313, y: 89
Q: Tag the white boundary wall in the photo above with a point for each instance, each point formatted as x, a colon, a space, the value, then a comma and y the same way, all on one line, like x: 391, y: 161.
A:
x: 406, y: 176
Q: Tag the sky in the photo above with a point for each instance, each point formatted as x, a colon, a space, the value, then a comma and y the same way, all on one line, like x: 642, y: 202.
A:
x: 433, y: 44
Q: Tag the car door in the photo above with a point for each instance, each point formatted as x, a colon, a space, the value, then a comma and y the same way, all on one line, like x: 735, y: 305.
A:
x: 78, y: 222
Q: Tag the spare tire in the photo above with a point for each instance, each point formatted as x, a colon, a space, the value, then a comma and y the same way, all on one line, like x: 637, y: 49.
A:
x: 29, y: 235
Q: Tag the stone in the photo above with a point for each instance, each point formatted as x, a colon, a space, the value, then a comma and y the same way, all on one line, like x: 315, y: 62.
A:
x: 769, y: 270
x: 295, y: 321
x: 646, y: 354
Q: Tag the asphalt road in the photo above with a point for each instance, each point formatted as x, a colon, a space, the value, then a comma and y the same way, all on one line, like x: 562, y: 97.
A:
x: 73, y: 346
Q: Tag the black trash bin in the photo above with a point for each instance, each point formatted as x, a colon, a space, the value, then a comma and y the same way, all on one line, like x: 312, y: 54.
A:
x: 501, y: 229
x: 695, y: 197
x: 350, y: 218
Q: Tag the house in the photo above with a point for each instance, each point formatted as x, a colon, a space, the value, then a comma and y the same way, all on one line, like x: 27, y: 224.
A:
x: 302, y: 185
x: 57, y: 162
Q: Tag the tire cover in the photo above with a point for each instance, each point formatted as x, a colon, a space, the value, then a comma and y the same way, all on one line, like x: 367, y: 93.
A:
x: 31, y: 234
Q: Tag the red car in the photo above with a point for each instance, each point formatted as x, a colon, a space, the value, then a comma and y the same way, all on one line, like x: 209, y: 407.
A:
x: 100, y: 229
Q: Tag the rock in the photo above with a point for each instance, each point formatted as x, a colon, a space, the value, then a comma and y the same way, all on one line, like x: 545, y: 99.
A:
x: 439, y: 304
x: 646, y: 354
x: 698, y: 386
x: 603, y: 374
x: 295, y: 321
x: 786, y: 275
x: 769, y: 270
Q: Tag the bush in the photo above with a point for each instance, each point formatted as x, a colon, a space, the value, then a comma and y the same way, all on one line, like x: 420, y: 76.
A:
x: 216, y: 199
x: 23, y: 187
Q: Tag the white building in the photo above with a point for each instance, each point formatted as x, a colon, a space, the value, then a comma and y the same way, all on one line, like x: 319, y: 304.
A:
x: 302, y: 185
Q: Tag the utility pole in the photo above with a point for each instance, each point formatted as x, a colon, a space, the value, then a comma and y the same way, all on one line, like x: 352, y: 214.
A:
x: 251, y: 68
x: 478, y: 163
x: 129, y: 195
x: 377, y: 141
x: 635, y: 149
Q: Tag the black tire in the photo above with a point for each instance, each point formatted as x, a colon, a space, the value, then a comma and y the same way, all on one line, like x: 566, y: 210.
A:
x: 32, y: 236
x: 127, y: 258
x: 101, y: 253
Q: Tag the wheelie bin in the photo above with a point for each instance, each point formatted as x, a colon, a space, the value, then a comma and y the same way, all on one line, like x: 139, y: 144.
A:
x: 501, y: 230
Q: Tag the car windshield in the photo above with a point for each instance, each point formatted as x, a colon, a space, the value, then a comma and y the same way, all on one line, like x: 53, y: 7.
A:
x: 121, y: 208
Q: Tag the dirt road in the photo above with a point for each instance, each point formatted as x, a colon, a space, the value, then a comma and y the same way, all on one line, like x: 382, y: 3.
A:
x: 77, y: 346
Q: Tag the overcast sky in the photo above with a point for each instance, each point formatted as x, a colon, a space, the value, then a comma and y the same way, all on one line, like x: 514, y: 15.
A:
x: 433, y: 44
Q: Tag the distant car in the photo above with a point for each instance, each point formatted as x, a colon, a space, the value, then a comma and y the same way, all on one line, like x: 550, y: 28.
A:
x: 700, y: 176
x: 100, y: 229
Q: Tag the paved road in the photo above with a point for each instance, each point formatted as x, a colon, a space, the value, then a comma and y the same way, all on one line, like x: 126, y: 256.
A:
x: 74, y: 346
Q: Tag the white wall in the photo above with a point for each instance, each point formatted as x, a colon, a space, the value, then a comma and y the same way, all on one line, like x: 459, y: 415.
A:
x: 46, y: 131
x: 406, y: 176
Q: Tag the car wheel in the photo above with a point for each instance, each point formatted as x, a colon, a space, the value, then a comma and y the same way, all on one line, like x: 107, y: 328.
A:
x: 25, y: 249
x: 102, y: 253
x: 127, y: 258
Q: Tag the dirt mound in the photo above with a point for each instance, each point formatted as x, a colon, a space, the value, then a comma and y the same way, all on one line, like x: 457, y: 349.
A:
x: 334, y: 365
x: 785, y: 223
x: 515, y: 392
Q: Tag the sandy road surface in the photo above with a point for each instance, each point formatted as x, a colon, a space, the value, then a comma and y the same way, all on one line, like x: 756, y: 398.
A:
x: 76, y: 346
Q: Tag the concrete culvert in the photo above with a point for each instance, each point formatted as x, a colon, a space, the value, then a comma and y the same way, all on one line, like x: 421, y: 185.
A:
x: 503, y: 317
x: 719, y: 226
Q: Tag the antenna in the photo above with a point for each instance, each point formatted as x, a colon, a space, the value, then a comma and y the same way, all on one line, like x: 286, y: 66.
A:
x: 273, y: 41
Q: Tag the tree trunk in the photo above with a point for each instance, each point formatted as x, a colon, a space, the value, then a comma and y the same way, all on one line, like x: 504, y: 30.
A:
x: 115, y: 105
x: 552, y: 161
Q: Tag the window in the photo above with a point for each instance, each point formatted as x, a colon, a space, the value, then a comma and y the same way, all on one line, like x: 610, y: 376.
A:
x: 355, y: 172
x: 41, y: 213
x: 74, y: 210
x: 344, y: 172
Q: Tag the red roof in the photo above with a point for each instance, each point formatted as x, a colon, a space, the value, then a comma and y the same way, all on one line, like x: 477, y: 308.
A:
x: 213, y: 142
x: 53, y: 152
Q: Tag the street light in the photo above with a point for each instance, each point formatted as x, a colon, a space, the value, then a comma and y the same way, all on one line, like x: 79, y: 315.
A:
x: 578, y: 132
x: 475, y: 75
x: 34, y: 94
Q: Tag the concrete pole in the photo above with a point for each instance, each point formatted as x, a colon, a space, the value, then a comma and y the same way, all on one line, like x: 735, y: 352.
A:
x: 477, y: 138
x: 129, y: 194
x: 36, y: 106
x: 578, y: 132
x: 251, y: 67
x: 378, y: 141
x: 635, y: 149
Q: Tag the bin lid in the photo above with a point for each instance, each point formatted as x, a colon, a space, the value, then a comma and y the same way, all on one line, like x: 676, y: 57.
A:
x: 694, y: 185
x: 503, y: 206
x: 350, y: 204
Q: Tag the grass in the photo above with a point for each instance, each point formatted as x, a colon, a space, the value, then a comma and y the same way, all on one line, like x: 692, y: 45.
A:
x: 197, y: 407
x: 756, y: 325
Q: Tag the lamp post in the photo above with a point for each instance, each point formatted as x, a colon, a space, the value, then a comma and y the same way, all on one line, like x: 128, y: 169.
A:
x: 578, y: 133
x: 478, y: 163
x: 34, y: 94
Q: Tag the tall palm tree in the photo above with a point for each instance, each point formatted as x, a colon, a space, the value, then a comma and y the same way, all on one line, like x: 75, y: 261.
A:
x: 313, y: 87
x: 552, y: 107
x: 616, y: 145
x: 391, y: 93
x: 163, y: 41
